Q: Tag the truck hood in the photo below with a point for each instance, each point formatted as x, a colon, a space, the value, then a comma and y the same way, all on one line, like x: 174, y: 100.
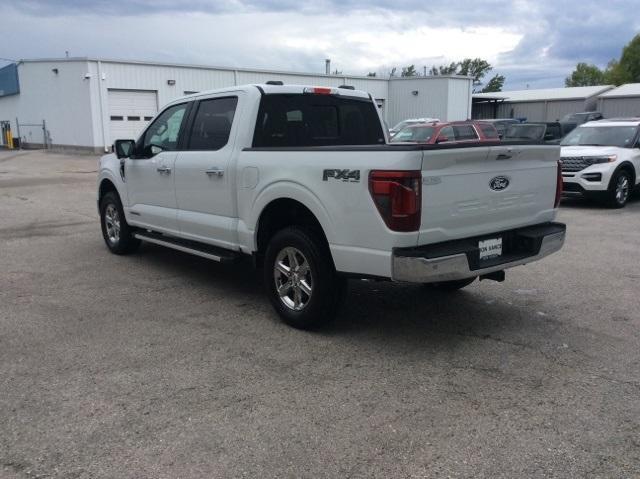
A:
x: 589, y: 150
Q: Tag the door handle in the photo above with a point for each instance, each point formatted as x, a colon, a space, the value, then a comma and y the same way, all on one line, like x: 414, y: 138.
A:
x: 163, y: 170
x: 503, y: 156
x: 215, y: 172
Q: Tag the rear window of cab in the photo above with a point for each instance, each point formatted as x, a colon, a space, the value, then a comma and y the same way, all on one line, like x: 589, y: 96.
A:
x: 294, y: 120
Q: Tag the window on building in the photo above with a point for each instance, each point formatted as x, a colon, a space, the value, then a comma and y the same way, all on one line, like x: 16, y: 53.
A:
x: 116, y: 118
x: 133, y: 118
x: 212, y: 124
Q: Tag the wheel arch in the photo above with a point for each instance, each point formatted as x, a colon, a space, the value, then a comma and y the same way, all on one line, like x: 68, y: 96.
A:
x: 106, y: 185
x: 627, y: 166
x: 280, y: 213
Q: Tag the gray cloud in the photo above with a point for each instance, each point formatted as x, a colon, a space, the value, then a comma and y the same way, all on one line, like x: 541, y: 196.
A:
x: 251, y: 33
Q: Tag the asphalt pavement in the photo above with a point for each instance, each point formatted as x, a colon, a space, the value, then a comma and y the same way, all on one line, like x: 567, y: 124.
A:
x: 164, y: 365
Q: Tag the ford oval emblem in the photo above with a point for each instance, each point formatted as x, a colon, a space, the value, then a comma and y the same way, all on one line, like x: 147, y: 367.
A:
x: 499, y: 183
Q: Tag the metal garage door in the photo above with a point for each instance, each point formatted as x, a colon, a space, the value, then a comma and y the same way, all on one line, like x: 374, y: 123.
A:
x: 130, y: 111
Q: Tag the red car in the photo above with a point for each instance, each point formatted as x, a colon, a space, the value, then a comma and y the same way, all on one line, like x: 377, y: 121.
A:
x: 447, y: 132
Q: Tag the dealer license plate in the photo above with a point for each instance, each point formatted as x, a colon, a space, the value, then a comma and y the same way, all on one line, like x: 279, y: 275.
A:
x: 490, y: 248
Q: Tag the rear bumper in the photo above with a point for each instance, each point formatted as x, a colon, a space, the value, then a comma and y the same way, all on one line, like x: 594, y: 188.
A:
x: 459, y: 259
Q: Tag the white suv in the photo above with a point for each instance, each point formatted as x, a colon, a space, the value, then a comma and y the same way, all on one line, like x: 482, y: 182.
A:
x: 601, y: 159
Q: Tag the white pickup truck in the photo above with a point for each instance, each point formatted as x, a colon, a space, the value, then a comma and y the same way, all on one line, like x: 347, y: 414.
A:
x: 304, y: 180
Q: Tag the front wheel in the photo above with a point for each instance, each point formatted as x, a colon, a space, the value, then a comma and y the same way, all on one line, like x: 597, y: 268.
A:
x: 619, y: 189
x: 300, y: 279
x: 117, y: 233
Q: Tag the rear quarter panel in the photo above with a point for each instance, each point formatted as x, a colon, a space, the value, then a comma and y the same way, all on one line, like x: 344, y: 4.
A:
x: 357, y: 235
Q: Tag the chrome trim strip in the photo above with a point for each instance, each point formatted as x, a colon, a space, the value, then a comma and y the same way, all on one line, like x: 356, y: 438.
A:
x: 184, y: 249
x: 448, y: 268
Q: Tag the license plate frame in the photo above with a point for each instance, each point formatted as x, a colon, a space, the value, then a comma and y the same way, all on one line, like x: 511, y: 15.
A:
x: 490, y: 248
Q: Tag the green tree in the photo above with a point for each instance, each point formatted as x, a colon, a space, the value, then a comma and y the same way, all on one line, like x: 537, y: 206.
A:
x: 476, y: 68
x: 495, y: 84
x: 585, y: 75
x: 624, y: 70
x: 629, y: 64
x: 613, y: 74
x: 409, y: 71
x: 450, y: 69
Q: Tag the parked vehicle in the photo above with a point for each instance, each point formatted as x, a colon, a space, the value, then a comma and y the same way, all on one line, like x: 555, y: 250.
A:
x: 443, y: 132
x: 572, y: 120
x: 547, y: 132
x: 601, y: 160
x: 302, y: 180
x: 502, y: 124
x: 411, y: 121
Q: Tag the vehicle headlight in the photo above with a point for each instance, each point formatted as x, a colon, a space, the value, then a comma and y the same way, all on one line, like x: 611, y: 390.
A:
x: 605, y: 159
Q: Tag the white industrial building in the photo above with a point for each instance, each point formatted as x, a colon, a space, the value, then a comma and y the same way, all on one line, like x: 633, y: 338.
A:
x: 623, y: 101
x: 86, y: 103
x: 548, y: 104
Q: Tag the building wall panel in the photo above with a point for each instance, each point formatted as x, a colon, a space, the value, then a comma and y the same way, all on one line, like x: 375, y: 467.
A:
x: 620, y: 107
x: 558, y: 109
x: 62, y: 99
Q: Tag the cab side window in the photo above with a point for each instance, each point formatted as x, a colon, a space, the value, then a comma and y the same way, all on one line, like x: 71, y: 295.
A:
x: 164, y: 131
x: 447, y: 132
x: 212, y: 124
x: 464, y: 133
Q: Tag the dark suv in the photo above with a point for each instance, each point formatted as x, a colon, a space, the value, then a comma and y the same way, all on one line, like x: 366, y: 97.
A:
x: 572, y: 120
x: 547, y: 132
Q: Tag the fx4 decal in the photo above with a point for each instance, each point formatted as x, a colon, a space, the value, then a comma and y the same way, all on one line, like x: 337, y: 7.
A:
x: 351, y: 176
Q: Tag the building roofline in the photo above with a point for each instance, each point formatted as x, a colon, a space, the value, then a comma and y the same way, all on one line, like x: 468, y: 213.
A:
x: 228, y: 68
x: 597, y: 90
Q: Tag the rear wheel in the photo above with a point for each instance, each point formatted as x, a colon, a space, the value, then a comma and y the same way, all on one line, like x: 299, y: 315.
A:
x: 451, y: 285
x: 300, y: 279
x: 117, y: 233
x: 619, y: 189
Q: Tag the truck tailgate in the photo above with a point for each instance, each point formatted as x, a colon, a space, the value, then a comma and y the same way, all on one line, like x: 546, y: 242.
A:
x: 478, y: 190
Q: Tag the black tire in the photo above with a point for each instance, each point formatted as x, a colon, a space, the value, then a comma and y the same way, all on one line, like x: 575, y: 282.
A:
x: 111, y: 212
x: 293, y: 247
x: 451, y: 285
x: 620, y: 188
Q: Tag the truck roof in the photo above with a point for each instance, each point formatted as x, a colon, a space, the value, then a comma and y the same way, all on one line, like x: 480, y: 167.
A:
x: 272, y: 89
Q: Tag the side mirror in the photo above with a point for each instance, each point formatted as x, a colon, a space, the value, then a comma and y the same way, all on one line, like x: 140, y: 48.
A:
x: 124, y: 148
x: 442, y: 139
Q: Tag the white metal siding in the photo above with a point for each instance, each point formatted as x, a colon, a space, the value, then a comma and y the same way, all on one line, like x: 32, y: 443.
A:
x: 557, y: 109
x: 620, y: 107
x: 129, y: 112
x: 431, y: 100
x: 77, y: 105
x: 62, y: 99
x: 459, y: 99
x: 532, y: 111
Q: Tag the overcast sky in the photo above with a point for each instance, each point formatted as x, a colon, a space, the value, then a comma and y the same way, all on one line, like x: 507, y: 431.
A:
x: 533, y: 43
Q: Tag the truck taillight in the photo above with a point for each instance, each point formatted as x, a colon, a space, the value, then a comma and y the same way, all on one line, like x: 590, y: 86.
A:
x: 558, y: 185
x: 397, y: 195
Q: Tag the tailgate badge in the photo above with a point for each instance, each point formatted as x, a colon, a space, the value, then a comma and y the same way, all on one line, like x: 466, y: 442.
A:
x: 499, y: 183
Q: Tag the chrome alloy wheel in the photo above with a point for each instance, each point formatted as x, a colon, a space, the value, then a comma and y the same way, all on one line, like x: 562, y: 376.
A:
x: 112, y: 223
x: 622, y: 189
x: 292, y: 277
